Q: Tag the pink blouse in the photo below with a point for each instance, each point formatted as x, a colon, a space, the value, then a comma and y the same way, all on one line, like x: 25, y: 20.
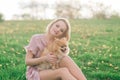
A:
x: 36, y: 46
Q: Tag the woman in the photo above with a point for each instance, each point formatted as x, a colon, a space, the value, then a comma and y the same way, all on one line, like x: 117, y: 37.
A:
x: 68, y: 69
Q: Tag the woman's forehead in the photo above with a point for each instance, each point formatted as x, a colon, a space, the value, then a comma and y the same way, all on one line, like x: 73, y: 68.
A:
x: 61, y: 23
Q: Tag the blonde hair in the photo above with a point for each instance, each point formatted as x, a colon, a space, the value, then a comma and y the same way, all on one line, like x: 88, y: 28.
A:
x: 66, y: 34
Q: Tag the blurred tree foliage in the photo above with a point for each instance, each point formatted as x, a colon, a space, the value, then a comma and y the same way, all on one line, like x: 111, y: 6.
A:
x: 68, y: 9
x: 1, y: 17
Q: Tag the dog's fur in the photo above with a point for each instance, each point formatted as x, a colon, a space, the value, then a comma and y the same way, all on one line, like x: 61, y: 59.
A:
x: 58, y: 48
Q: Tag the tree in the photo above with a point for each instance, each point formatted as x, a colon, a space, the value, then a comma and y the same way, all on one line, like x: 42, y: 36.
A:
x: 1, y: 17
x: 98, y: 9
x: 32, y: 7
x: 101, y: 13
x: 68, y: 9
x: 35, y: 8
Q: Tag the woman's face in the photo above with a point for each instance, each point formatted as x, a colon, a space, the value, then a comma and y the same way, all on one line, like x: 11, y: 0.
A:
x: 58, y: 28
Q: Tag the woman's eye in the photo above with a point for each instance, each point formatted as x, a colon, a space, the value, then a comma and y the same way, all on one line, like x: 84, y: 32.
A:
x: 57, y: 25
x: 62, y: 46
x: 61, y: 30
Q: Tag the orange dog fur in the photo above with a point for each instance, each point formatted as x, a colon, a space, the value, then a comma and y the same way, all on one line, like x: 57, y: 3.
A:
x: 59, y: 48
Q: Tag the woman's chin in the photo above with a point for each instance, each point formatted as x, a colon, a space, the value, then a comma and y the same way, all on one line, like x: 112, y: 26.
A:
x: 54, y: 35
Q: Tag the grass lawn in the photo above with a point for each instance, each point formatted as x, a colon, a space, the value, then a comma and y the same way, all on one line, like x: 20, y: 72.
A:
x: 94, y: 46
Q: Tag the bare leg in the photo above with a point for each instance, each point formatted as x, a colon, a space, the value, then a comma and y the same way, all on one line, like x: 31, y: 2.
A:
x: 58, y: 74
x: 72, y: 67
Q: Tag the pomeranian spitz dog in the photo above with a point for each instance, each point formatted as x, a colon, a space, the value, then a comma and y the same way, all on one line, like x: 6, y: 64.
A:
x: 59, y: 48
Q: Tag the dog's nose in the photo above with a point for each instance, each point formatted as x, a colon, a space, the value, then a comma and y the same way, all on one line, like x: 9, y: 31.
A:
x: 65, y: 49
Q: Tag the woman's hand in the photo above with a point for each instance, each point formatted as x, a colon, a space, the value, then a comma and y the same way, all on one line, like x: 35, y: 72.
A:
x: 51, y: 58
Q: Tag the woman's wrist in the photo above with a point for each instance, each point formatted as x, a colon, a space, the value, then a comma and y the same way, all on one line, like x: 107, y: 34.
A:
x: 43, y: 59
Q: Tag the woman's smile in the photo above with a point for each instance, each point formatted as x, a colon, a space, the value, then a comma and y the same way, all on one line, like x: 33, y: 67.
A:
x: 56, y: 32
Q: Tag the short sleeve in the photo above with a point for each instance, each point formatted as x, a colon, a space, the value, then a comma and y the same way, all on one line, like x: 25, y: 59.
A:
x: 32, y: 46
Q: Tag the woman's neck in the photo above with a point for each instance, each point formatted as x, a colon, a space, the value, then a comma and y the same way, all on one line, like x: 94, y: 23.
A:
x: 49, y: 38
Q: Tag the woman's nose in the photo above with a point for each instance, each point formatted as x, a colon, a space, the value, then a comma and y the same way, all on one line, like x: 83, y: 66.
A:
x: 57, y: 30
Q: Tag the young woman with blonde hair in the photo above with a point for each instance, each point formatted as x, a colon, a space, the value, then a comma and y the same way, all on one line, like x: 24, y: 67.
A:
x: 68, y: 69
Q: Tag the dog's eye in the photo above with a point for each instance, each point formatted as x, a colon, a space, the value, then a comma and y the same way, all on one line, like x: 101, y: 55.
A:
x: 62, y: 46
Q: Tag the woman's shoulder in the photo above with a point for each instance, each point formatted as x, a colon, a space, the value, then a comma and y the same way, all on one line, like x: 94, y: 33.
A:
x: 38, y: 36
x: 39, y: 39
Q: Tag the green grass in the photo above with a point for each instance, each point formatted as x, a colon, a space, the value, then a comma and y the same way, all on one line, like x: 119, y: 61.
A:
x: 94, y: 46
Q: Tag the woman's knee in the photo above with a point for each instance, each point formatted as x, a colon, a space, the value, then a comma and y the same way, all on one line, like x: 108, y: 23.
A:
x: 63, y: 71
x: 64, y: 61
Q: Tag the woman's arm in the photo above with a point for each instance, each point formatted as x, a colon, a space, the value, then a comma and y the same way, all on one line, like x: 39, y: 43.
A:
x: 30, y: 61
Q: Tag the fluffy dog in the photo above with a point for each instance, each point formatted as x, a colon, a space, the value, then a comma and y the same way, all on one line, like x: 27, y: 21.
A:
x: 59, y: 48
